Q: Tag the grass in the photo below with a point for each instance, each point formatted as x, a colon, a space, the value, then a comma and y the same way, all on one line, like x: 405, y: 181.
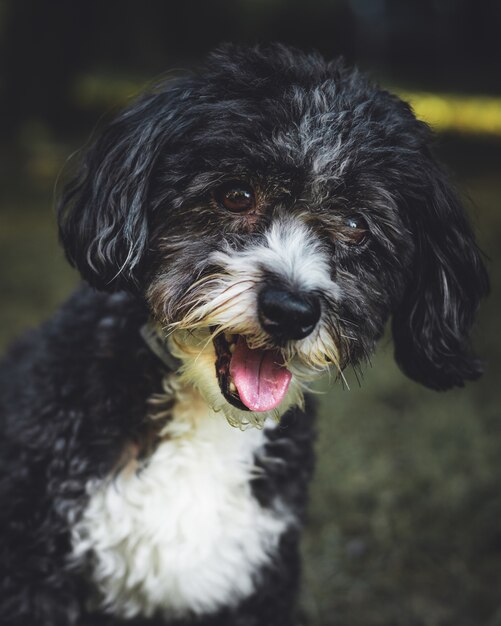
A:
x: 405, y: 515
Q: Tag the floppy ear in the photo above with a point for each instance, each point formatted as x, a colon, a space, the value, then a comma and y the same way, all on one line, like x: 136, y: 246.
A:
x: 103, y: 217
x: 432, y: 324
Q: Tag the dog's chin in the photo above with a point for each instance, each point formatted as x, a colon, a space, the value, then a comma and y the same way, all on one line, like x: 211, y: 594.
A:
x: 248, y: 385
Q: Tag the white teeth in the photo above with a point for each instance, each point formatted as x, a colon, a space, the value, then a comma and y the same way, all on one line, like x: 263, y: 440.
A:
x: 232, y: 387
x: 231, y: 340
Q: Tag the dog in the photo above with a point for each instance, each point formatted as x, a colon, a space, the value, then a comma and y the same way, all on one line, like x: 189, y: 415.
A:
x: 240, y: 231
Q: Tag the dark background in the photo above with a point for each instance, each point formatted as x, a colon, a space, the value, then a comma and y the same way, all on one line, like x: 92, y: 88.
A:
x: 405, y: 523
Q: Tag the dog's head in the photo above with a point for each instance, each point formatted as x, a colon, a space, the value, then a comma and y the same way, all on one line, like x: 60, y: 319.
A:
x: 274, y: 210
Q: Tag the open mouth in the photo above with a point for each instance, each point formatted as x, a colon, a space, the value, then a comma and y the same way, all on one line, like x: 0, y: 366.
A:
x: 250, y: 379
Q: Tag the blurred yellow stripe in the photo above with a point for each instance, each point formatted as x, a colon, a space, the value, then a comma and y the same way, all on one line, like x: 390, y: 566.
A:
x: 444, y: 112
x: 455, y: 113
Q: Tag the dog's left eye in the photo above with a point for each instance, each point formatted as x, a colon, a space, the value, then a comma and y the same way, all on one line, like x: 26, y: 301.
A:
x: 355, y: 230
x: 236, y: 197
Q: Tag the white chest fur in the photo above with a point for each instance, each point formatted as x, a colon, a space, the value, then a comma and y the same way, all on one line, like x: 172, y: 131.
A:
x: 184, y: 534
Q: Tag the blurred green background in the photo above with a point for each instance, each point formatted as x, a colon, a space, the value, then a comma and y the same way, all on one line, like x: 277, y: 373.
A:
x: 405, y: 516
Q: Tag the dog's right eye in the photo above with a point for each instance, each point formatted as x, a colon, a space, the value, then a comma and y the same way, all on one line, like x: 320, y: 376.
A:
x: 236, y: 197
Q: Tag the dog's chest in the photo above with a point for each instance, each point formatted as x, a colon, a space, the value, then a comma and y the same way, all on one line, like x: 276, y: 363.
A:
x: 184, y: 533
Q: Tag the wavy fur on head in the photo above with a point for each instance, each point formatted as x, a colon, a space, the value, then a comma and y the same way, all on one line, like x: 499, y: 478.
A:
x: 124, y: 493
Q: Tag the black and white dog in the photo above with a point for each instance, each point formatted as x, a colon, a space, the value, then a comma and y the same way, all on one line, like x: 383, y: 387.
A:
x: 241, y: 230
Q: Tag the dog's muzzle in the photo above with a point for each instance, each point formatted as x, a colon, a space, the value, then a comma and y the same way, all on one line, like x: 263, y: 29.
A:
x: 257, y: 379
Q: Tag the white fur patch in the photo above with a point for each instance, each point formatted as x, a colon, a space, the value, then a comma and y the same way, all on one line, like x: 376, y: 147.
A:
x: 291, y: 251
x: 183, y: 534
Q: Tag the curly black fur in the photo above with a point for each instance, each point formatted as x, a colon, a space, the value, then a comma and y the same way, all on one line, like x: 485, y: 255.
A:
x: 313, y: 137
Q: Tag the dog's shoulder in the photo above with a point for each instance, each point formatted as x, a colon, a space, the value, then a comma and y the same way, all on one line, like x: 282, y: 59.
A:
x: 73, y: 391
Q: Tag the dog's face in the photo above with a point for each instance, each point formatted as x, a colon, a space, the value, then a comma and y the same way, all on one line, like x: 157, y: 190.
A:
x: 275, y: 211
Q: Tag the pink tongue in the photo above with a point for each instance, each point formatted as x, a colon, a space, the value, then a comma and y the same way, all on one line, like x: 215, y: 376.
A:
x: 260, y: 376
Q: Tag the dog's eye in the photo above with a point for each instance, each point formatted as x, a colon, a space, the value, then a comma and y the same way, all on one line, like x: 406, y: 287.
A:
x: 355, y: 230
x: 236, y: 197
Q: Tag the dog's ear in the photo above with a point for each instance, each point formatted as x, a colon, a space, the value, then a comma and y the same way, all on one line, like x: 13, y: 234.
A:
x: 103, y: 212
x: 432, y: 323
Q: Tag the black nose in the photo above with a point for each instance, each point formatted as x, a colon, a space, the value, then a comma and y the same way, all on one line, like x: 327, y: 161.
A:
x: 287, y: 315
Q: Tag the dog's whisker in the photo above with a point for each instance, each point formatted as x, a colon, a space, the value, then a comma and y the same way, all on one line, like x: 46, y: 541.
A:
x: 206, y: 319
x: 223, y: 279
x: 196, y: 311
